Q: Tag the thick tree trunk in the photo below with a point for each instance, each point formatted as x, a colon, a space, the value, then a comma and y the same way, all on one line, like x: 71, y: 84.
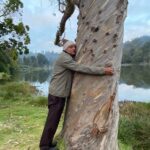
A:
x: 91, y: 120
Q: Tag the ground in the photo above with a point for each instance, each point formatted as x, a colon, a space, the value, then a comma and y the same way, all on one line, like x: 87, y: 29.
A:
x: 23, y: 115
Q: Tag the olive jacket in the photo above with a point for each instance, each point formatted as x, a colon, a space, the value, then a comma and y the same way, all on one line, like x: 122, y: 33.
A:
x: 62, y: 74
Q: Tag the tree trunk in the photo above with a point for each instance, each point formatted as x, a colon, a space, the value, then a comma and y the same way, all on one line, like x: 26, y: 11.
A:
x: 91, y: 119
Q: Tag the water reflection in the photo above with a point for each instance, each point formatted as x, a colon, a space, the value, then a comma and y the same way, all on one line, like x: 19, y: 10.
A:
x: 40, y: 79
x: 138, y: 76
x: 130, y: 92
x: 134, y: 82
x: 36, y: 76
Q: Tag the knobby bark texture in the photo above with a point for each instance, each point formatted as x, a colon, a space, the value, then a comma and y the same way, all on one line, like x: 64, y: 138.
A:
x: 92, y: 113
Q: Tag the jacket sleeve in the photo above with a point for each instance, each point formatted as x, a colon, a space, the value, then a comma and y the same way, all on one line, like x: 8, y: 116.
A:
x: 69, y: 63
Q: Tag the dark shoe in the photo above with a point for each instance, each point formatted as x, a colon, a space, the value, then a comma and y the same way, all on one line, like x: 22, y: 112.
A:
x: 44, y: 148
x: 53, y: 148
x: 48, y: 148
x: 54, y: 143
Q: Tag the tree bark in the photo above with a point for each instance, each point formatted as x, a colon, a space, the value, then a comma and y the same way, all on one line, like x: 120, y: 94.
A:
x: 91, y: 119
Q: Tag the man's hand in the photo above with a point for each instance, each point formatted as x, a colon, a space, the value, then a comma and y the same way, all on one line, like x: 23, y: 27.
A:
x: 109, y: 70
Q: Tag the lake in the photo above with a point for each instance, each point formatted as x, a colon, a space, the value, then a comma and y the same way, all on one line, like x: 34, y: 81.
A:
x: 134, y: 82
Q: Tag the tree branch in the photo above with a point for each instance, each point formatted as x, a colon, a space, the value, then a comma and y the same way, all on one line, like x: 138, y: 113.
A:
x: 70, y: 7
x: 61, y: 3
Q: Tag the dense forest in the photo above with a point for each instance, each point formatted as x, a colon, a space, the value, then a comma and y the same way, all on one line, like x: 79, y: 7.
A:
x: 137, y: 51
x: 37, y: 59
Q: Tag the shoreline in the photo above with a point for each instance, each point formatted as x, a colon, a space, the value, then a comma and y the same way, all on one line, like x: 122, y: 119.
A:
x: 140, y: 64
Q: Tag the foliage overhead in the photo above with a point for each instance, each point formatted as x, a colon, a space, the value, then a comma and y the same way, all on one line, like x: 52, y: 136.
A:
x: 14, y: 36
x: 13, y: 33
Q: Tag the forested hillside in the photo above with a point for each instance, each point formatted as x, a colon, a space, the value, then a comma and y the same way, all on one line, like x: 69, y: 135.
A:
x: 137, y: 51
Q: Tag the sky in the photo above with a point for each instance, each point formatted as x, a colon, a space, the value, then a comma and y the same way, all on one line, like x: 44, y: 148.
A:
x: 43, y: 18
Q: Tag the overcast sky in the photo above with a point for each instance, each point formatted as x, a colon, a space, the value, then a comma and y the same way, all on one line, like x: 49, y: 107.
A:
x: 43, y: 18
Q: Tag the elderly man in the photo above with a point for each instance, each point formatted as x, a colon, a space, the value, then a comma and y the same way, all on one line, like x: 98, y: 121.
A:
x: 60, y: 87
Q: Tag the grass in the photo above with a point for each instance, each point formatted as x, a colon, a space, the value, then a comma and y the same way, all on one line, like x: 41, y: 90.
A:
x: 20, y: 121
x: 23, y: 115
x: 4, y: 76
x: 134, y: 125
x: 20, y: 129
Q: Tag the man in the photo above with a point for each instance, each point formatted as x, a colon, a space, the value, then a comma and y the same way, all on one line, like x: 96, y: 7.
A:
x: 60, y: 87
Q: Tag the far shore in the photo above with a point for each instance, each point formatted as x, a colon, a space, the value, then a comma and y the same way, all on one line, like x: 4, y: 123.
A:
x: 140, y: 64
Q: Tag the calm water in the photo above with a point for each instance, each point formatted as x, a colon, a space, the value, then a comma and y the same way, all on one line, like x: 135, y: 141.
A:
x: 134, y: 82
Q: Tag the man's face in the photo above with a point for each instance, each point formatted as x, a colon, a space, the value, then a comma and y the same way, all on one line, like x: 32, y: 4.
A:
x: 71, y: 50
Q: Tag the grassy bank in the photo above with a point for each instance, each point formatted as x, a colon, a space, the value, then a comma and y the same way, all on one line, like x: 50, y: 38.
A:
x: 4, y: 76
x: 23, y: 115
x: 134, y: 125
x: 27, y: 68
x: 20, y: 121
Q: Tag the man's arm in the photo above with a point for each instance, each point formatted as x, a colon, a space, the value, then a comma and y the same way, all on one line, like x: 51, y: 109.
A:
x: 69, y: 63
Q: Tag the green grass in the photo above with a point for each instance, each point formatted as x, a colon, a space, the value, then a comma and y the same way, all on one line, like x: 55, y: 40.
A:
x: 123, y: 146
x: 20, y: 121
x: 134, y: 125
x: 23, y: 114
x: 4, y: 76
x: 21, y: 127
x: 22, y: 117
